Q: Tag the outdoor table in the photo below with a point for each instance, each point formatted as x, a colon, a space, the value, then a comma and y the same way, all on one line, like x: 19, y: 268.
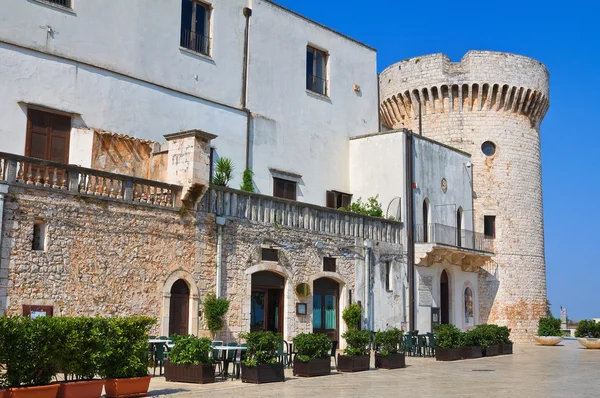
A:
x: 225, y: 360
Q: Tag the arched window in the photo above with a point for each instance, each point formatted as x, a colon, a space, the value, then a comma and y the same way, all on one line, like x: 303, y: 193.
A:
x: 469, y: 311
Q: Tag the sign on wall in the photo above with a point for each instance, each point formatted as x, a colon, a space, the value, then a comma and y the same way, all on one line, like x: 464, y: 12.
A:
x: 425, y: 291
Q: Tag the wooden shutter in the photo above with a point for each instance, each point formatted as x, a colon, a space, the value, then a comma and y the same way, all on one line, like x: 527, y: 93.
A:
x: 284, y: 189
x: 330, y: 199
x: 48, y: 136
x: 346, y: 199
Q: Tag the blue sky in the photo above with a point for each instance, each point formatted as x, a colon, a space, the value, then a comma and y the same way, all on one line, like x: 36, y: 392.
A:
x: 563, y: 35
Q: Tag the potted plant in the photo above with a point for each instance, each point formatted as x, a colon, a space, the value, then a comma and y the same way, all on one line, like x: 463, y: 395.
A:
x: 588, y: 334
x: 29, y: 357
x: 356, y: 356
x: 549, y: 332
x: 3, y: 332
x: 447, y: 342
x: 124, y: 362
x: 190, y: 361
x: 489, y: 339
x: 260, y: 364
x: 79, y: 347
x: 214, y: 310
x: 313, y: 355
x: 470, y: 346
x: 389, y: 349
x: 351, y: 316
x: 506, y: 345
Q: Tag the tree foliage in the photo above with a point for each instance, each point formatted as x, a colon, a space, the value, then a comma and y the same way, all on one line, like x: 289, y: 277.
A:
x: 223, y: 172
x: 369, y: 208
x: 214, y: 310
x: 247, y: 184
x: 351, y: 316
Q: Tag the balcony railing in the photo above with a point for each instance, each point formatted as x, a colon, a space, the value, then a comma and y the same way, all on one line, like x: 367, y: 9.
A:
x: 288, y: 213
x: 64, y: 3
x: 195, y: 42
x: 316, y: 84
x: 58, y: 176
x: 452, y: 236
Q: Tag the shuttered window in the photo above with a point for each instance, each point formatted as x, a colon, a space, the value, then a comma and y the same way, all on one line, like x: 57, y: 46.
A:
x: 284, y: 189
x: 336, y: 200
x: 48, y: 136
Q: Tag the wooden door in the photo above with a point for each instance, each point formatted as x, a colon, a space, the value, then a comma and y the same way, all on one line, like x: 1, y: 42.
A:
x: 444, y: 299
x: 326, y: 308
x: 179, y: 308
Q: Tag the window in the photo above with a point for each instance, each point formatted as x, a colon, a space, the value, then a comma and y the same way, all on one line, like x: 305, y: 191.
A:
x: 34, y: 311
x: 195, y: 26
x: 268, y: 254
x: 329, y: 264
x: 48, y: 136
x: 63, y: 3
x: 389, y: 283
x: 335, y: 200
x: 488, y: 148
x: 284, y: 188
x: 316, y: 70
x: 39, y: 235
x: 489, y: 226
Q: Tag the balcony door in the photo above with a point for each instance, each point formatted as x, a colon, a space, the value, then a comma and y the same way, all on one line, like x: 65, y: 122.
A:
x: 266, y: 302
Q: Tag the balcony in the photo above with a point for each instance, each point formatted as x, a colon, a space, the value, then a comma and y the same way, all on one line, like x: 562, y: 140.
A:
x: 27, y: 171
x: 195, y: 42
x: 437, y: 243
x: 227, y: 202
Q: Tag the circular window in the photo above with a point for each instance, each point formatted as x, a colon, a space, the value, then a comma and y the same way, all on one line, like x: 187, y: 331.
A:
x: 488, y: 148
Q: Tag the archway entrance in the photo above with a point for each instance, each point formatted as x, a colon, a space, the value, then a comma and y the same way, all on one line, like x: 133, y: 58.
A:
x: 444, y: 299
x: 266, y: 302
x: 179, y: 310
x: 326, y: 297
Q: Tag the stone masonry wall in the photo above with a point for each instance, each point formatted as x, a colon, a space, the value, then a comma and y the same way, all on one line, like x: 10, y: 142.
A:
x: 494, y: 97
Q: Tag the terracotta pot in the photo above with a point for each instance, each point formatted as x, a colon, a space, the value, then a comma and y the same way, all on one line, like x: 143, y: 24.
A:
x: 3, y: 394
x: 314, y: 367
x: 49, y: 391
x: 589, y: 342
x: 548, y: 340
x: 127, y: 387
x: 81, y: 389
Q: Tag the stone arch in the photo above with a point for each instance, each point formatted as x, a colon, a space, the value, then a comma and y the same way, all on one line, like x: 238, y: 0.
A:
x: 194, y: 301
x: 464, y: 323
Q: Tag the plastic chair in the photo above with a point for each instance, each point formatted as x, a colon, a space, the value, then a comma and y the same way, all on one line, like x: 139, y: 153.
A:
x: 228, y: 357
x: 215, y: 355
x: 432, y: 344
x: 160, y: 354
x: 422, y: 345
x: 334, y: 345
x: 408, y: 344
x: 237, y: 362
x: 282, y: 353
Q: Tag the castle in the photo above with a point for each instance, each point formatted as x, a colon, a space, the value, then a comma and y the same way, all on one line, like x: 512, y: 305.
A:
x: 110, y: 148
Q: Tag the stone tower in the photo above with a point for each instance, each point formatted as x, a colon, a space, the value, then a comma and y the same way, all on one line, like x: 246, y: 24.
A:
x: 491, y: 105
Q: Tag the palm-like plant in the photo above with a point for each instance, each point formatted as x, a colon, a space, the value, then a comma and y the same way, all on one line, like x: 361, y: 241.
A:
x: 223, y: 172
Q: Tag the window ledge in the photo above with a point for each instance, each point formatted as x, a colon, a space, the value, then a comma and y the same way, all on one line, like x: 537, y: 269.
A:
x: 68, y: 10
x: 195, y: 53
x: 316, y: 95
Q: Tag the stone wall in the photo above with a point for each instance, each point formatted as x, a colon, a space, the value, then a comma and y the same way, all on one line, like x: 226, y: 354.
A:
x: 494, y: 97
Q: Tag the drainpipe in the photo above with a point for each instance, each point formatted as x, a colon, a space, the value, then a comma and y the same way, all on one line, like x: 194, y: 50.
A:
x: 3, y: 192
x: 245, y: 72
x: 367, y: 292
x: 220, y: 223
x: 410, y: 241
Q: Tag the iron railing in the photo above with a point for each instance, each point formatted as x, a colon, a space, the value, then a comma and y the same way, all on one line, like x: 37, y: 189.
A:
x: 452, y: 236
x: 195, y: 42
x: 29, y: 171
x: 64, y: 3
x: 316, y: 84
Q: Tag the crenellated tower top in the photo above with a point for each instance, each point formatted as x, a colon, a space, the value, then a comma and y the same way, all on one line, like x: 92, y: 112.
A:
x: 483, y: 81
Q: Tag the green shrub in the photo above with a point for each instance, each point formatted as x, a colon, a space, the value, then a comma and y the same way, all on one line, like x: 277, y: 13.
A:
x: 357, y: 342
x: 487, y: 335
x: 223, y: 172
x: 588, y: 329
x: 261, y: 348
x: 80, y: 344
x: 549, y: 326
x: 125, y: 347
x: 469, y: 339
x: 389, y: 342
x: 370, y: 208
x: 214, y: 310
x: 247, y: 184
x: 447, y: 336
x: 190, y: 350
x: 312, y: 346
x: 351, y: 316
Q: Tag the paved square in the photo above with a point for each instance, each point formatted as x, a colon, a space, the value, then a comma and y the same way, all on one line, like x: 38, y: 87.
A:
x: 532, y: 371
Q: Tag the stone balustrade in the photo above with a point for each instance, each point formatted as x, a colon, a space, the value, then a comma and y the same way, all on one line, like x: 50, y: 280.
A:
x: 234, y: 203
x: 80, y: 180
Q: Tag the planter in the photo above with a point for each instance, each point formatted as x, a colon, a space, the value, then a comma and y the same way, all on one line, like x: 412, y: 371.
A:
x: 263, y: 373
x: 354, y: 363
x: 491, y: 350
x: 548, y: 340
x: 199, y: 374
x: 49, y: 391
x: 447, y: 354
x: 471, y: 352
x: 391, y: 361
x: 3, y: 394
x: 81, y: 389
x: 127, y: 387
x: 506, y: 349
x: 589, y: 342
x: 314, y: 367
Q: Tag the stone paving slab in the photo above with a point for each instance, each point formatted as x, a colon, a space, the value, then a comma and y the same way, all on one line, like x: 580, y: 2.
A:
x: 532, y: 371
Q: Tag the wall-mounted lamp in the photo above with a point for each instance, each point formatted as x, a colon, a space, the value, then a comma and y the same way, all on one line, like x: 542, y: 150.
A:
x: 319, y: 245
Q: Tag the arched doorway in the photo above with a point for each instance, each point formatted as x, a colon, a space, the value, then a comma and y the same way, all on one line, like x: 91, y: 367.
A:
x: 459, y: 227
x: 326, y: 297
x: 425, y: 221
x: 266, y: 302
x: 444, y: 298
x: 179, y: 310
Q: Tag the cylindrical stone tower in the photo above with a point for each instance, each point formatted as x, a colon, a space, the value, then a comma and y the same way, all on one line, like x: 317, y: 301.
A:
x: 491, y: 105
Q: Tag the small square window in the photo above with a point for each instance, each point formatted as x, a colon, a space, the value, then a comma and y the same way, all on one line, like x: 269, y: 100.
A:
x: 284, y: 189
x: 316, y: 70
x: 329, y: 264
x: 39, y: 235
x: 489, y: 226
x: 268, y: 254
x: 195, y: 26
